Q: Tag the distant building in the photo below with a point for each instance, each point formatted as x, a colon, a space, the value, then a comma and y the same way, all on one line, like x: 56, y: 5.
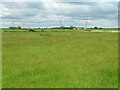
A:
x: 75, y: 28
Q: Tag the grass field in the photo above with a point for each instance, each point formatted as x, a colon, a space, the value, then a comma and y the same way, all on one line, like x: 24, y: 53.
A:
x: 60, y: 60
x: 57, y: 30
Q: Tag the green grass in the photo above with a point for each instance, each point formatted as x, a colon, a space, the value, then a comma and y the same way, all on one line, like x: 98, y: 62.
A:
x: 60, y: 60
x: 57, y: 30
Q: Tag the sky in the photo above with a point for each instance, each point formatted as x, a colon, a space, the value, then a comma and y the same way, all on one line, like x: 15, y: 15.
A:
x: 46, y: 13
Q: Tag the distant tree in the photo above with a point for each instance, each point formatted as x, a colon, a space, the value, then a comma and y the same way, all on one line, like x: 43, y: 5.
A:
x: 19, y: 27
x: 71, y: 27
x: 31, y: 30
x: 81, y: 27
x: 13, y: 27
x: 95, y: 27
x: 62, y: 27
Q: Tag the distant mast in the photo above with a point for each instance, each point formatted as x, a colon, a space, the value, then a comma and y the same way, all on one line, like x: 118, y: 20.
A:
x: 12, y: 24
x: 60, y: 23
x: 86, y: 24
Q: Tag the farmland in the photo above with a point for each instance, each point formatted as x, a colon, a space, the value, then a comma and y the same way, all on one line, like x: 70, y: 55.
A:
x: 60, y: 60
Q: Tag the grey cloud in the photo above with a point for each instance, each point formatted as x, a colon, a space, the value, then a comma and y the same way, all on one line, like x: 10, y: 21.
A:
x: 38, y: 13
x: 24, y: 5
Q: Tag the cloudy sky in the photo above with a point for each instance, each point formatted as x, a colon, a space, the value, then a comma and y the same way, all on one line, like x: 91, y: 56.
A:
x: 49, y: 14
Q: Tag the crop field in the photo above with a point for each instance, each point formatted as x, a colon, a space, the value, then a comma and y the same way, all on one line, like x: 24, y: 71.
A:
x: 60, y: 60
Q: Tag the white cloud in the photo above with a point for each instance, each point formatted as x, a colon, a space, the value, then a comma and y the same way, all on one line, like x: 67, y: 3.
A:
x: 60, y: 0
x: 4, y: 11
x: 49, y: 13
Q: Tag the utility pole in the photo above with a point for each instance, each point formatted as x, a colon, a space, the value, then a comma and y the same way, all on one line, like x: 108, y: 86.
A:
x: 12, y: 24
x: 60, y: 23
x: 86, y: 24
